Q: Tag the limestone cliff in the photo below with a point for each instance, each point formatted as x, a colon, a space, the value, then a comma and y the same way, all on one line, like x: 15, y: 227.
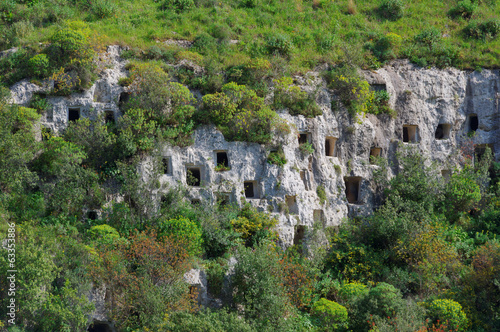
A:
x: 435, y: 111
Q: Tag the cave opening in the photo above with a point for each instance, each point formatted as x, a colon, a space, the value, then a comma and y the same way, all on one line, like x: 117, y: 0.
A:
x: 193, y: 176
x: 410, y: 134
x: 73, y: 114
x: 330, y: 146
x: 352, y: 188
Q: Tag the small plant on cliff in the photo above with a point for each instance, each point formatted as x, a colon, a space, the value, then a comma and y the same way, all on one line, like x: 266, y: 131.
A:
x: 277, y: 157
x: 306, y: 149
x: 221, y: 168
x: 321, y: 194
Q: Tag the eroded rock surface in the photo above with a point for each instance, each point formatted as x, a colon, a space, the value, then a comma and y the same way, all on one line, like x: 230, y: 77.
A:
x: 423, y: 99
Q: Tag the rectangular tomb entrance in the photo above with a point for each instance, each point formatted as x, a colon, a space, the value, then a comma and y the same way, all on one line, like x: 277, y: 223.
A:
x: 410, y: 134
x: 251, y: 189
x: 73, y: 114
x: 330, y: 146
x: 375, y: 152
x: 443, y: 131
x: 193, y: 176
x: 291, y: 202
x: 304, y: 138
x: 352, y: 187
x: 473, y: 123
x: 167, y: 165
x: 222, y: 160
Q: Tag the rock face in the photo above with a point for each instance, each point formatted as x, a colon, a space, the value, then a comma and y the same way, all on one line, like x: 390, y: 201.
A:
x: 436, y: 109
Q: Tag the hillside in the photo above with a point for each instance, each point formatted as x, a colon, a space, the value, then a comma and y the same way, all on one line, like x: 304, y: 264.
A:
x: 294, y: 35
x: 187, y: 166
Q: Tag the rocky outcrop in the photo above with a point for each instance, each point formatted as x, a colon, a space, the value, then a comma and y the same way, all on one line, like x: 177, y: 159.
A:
x: 435, y: 110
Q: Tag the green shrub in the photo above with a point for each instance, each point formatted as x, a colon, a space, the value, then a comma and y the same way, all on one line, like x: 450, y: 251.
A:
x: 101, y: 9
x: 279, y: 44
x: 40, y: 104
x: 321, y: 194
x: 39, y: 65
x: 207, y: 321
x: 306, y: 148
x: 429, y: 37
x: 277, y: 157
x: 183, y: 229
x: 204, y: 43
x: 254, y: 226
x: 353, y: 91
x: 386, y: 47
x: 258, y: 287
x: 287, y: 95
x: 67, y: 44
x: 253, y: 74
x: 14, y: 67
x: 178, y: 5
x: 239, y: 113
x: 125, y: 81
x: 464, y: 9
x: 392, y: 9
x: 164, y: 105
x: 331, y: 314
x: 137, y: 132
x: 462, y: 192
x: 103, y: 232
x: 482, y: 30
x: 448, y: 312
x: 352, y: 290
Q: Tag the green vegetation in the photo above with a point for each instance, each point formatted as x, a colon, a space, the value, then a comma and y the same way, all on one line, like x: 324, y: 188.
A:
x: 239, y: 114
x: 263, y: 28
x: 277, y: 157
x: 428, y: 259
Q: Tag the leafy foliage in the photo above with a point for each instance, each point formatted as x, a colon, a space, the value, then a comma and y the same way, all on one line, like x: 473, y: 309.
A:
x: 183, y: 230
x: 332, y: 314
x: 392, y: 9
x: 449, y: 312
x: 287, y: 95
x: 240, y: 114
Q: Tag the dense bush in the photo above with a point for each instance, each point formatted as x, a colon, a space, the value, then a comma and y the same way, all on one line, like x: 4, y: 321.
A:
x: 279, y: 43
x: 208, y: 321
x: 386, y: 47
x: 354, y: 92
x: 17, y: 132
x: 259, y: 289
x: 392, y: 9
x: 254, y: 226
x: 239, y: 113
x: 464, y: 9
x: 482, y: 30
x: 39, y: 65
x: 288, y: 95
x: 448, y: 312
x: 183, y: 230
x: 166, y: 106
x: 428, y: 37
x: 251, y: 74
x: 69, y: 45
x: 332, y: 314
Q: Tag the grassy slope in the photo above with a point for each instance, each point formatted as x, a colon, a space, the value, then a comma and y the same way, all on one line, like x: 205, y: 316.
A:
x: 308, y: 24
